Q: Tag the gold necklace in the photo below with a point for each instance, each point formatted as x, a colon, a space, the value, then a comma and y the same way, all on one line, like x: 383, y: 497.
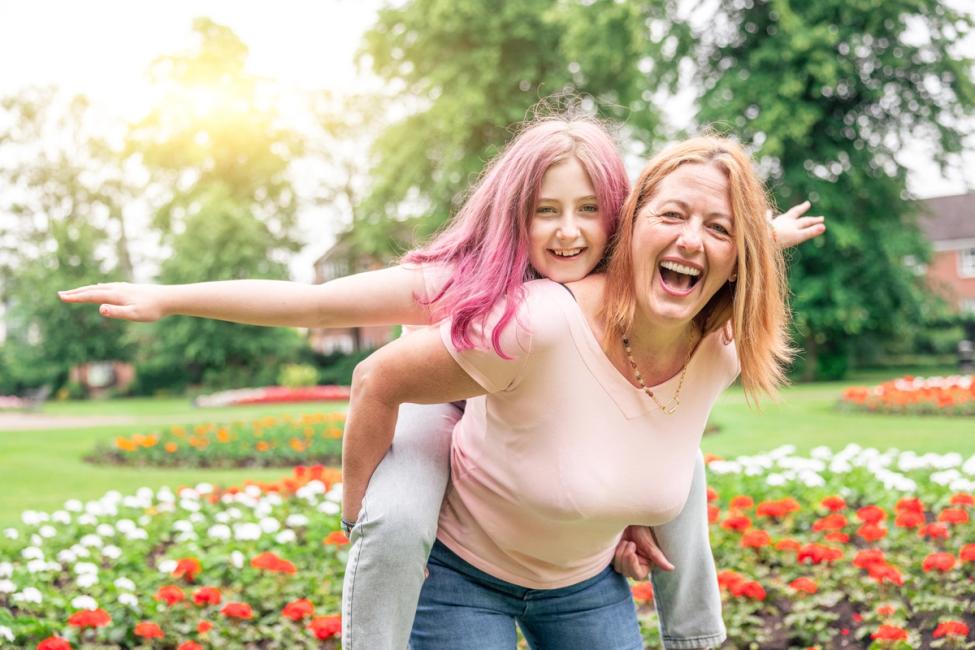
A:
x: 670, y: 407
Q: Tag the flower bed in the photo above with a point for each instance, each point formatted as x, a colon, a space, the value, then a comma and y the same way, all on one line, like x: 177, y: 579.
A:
x: 12, y: 403
x: 834, y: 550
x: 274, y: 395
x: 915, y: 395
x: 283, y: 441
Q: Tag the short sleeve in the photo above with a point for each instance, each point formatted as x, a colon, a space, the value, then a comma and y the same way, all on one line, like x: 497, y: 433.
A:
x: 484, y: 365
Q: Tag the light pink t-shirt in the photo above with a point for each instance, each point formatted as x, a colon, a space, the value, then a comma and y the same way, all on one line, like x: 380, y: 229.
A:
x: 564, y: 453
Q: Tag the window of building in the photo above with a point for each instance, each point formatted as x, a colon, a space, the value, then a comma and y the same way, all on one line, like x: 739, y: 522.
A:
x: 966, y: 262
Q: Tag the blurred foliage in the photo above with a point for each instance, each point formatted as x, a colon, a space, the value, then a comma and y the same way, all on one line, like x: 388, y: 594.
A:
x: 295, y: 375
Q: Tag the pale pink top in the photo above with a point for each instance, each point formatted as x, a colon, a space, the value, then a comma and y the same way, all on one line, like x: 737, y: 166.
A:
x: 563, y: 453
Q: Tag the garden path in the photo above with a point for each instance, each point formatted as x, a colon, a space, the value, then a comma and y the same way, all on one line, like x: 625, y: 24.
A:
x: 32, y: 421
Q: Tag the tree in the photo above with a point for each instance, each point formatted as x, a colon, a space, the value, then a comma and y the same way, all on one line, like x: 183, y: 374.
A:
x: 827, y: 93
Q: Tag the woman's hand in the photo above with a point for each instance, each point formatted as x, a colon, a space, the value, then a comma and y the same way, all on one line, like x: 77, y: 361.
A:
x: 791, y: 228
x: 637, y: 552
x: 143, y: 303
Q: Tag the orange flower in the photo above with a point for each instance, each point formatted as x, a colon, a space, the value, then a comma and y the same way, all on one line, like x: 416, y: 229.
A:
x: 203, y: 627
x: 90, y: 618
x: 714, y: 513
x: 886, y: 610
x: 807, y: 585
x: 871, y: 514
x: 262, y: 446
x: 642, y: 592
x: 967, y: 553
x: 170, y: 595
x: 940, y: 561
x: 268, y: 561
x: 712, y: 494
x: 951, y: 628
x: 54, y: 643
x: 171, y: 447
x: 962, y: 499
x: 335, y: 538
x: 953, y: 516
x: 871, y: 532
x: 188, y: 568
x: 298, y: 609
x: 742, y: 502
x: 755, y: 539
x: 242, y: 611
x: 833, y: 503
x: 836, y: 536
x: 148, y: 630
x: 834, y: 521
x: 890, y: 633
x: 326, y: 627
x: 207, y: 596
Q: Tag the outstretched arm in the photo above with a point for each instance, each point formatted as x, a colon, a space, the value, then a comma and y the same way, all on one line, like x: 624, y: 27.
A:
x: 791, y: 228
x: 384, y: 297
x: 416, y: 369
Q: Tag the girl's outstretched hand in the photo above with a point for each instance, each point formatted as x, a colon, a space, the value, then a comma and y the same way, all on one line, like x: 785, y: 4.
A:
x: 637, y: 553
x: 791, y: 228
x: 142, y: 303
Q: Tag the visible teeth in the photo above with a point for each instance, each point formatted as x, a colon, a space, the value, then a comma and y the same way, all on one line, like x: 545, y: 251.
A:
x: 566, y: 252
x: 680, y: 268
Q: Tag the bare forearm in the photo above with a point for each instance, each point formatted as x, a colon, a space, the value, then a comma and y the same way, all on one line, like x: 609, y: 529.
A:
x: 271, y: 303
x: 368, y: 435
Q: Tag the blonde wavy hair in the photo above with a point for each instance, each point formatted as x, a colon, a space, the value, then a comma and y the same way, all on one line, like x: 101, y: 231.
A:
x: 755, y: 305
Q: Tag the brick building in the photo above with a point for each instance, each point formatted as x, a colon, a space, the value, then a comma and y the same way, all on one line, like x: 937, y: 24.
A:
x: 948, y: 222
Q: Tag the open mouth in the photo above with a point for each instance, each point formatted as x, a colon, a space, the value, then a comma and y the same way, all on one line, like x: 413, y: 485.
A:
x: 566, y: 253
x: 679, y: 278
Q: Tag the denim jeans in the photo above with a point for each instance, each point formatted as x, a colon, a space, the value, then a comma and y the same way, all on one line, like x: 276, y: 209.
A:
x: 397, y: 527
x: 463, y: 607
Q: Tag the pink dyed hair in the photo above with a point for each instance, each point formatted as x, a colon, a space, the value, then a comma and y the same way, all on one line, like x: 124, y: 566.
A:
x: 486, y: 244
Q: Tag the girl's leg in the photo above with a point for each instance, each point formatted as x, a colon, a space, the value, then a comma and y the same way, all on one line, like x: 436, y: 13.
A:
x: 597, y: 614
x: 463, y: 607
x: 396, y: 528
x: 687, y: 598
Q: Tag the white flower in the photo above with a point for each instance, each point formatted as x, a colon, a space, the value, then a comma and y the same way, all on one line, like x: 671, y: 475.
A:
x: 91, y: 541
x: 53, y: 567
x: 296, y: 520
x: 129, y: 600
x: 197, y: 518
x: 188, y: 493
x: 67, y: 556
x: 87, y: 519
x: 7, y: 587
x: 124, y: 525
x: 252, y: 491
x: 6, y: 569
x: 80, y: 551
x: 47, y: 531
x: 124, y: 583
x: 181, y: 525
x: 86, y: 580
x: 247, y: 532
x: 945, y: 477
x: 32, y: 553
x: 237, y: 559
x: 189, y: 505
x: 222, y: 517
x: 73, y: 505
x: 186, y: 536
x: 269, y: 525
x: 28, y: 595
x: 145, y: 494
x: 716, y: 466
x: 204, y: 488
x: 6, y: 633
x: 335, y: 494
x: 329, y: 508
x: 775, y: 480
x: 95, y: 509
x: 84, y: 602
x: 36, y: 566
x: 821, y: 453
x: 36, y: 540
x: 219, y: 531
x: 310, y: 489
x: 11, y: 533
x: 234, y: 513
x: 262, y: 510
x: 286, y: 536
x: 61, y: 517
x: 273, y: 499
x: 85, y: 567
x: 144, y: 520
x: 137, y: 533
x: 167, y: 566
x: 112, y: 552
x: 105, y: 530
x: 166, y: 495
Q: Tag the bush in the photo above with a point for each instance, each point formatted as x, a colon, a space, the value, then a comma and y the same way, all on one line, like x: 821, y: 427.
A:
x: 296, y: 375
x: 337, y: 368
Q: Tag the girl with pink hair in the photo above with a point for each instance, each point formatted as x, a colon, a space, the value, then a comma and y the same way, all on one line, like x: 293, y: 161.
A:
x: 547, y: 206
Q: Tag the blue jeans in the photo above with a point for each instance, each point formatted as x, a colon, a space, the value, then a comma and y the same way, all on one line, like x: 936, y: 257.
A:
x: 463, y: 607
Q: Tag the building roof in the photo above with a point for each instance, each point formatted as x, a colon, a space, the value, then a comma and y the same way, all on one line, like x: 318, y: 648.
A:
x: 945, y: 218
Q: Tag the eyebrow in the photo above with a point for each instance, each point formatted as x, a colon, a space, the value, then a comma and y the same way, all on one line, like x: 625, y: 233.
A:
x: 584, y: 198
x: 687, y: 207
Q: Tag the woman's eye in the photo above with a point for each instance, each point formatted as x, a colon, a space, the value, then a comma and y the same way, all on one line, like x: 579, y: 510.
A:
x: 720, y: 228
x: 670, y: 214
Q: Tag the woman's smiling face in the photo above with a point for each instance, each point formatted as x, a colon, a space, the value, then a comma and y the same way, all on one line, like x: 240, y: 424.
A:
x: 684, y: 246
x: 568, y: 232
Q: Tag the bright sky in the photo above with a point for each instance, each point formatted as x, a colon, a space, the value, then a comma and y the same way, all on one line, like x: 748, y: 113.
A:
x: 104, y: 47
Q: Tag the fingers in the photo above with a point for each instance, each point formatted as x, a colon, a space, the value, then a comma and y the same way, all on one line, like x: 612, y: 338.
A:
x: 658, y: 559
x: 634, y: 566
x: 798, y: 210
x: 119, y: 312
x: 618, y: 557
x: 92, y: 293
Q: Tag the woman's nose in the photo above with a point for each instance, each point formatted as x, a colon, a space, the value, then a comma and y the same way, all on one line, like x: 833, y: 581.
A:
x: 690, y: 236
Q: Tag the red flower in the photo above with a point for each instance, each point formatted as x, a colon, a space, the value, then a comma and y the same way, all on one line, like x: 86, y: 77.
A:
x: 755, y: 539
x: 737, y: 523
x: 807, y: 585
x: 890, y: 633
x: 967, y: 553
x: 642, y: 592
x: 871, y: 532
x: 336, y: 538
x: 953, y: 516
x: 788, y: 544
x: 939, y: 562
x: 148, y: 630
x: 727, y: 579
x: 90, y: 618
x: 834, y: 521
x: 189, y: 645
x: 712, y: 494
x: 962, y: 499
x: 207, y: 596
x: 776, y: 509
x: 741, y: 502
x: 714, y: 513
x: 203, y: 627
x: 951, y: 628
x: 325, y: 627
x: 837, y: 536
x: 170, y: 595
x: 871, y: 514
x: 857, y: 617
x: 238, y: 610
x: 54, y: 643
x: 912, y: 505
x: 886, y: 610
x: 748, y: 589
x: 268, y: 561
x: 933, y: 531
x: 818, y: 553
x: 907, y: 519
x: 833, y: 503
x: 867, y: 557
x: 885, y: 573
x: 188, y: 568
x: 298, y: 609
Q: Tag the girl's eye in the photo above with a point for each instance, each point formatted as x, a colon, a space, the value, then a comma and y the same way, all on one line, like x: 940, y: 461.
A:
x: 544, y: 209
x: 589, y: 207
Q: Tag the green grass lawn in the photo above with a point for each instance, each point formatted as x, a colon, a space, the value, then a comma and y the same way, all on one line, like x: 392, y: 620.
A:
x: 41, y: 469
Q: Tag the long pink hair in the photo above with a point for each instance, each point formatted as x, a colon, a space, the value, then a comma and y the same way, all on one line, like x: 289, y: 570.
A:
x: 486, y: 244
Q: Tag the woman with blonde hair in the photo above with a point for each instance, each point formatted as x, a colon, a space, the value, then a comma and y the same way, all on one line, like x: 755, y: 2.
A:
x: 589, y: 419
